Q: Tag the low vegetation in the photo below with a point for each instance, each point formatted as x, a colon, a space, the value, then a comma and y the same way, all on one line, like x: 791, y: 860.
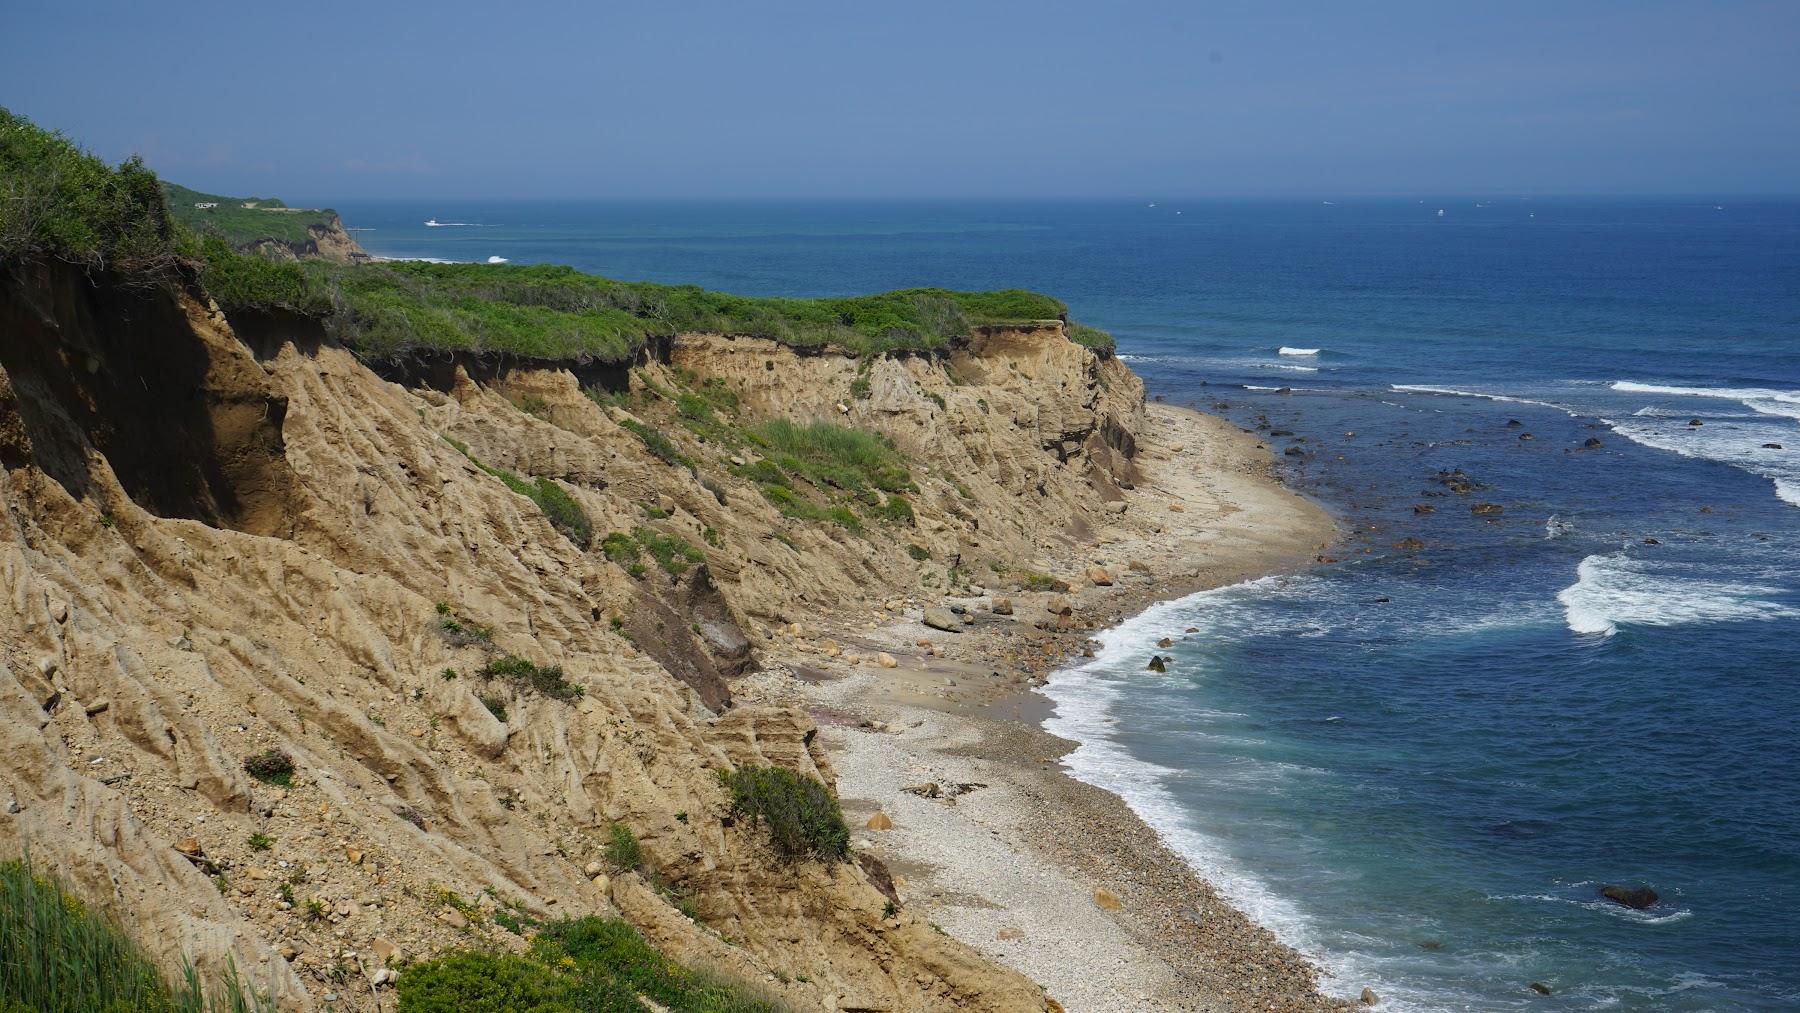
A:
x: 584, y: 965
x: 239, y: 225
x: 59, y: 956
x: 802, y: 817
x: 58, y: 202
x: 547, y: 680
x: 271, y: 766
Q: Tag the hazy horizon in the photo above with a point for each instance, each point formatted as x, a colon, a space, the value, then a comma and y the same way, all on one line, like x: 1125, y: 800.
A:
x: 461, y: 101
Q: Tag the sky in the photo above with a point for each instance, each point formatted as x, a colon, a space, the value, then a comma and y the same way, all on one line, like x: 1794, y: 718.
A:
x: 684, y: 98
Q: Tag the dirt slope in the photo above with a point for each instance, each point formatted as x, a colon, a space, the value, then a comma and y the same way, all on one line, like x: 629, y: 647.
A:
x: 218, y: 542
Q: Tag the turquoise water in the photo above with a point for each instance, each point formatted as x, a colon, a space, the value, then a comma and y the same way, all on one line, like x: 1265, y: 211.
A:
x: 1417, y: 764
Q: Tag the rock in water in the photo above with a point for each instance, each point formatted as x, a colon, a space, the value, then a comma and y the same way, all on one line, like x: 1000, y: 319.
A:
x: 1165, y: 642
x: 1486, y: 508
x: 1593, y: 443
x: 1157, y: 664
x: 1369, y: 998
x: 942, y: 619
x: 1540, y: 988
x: 1635, y: 897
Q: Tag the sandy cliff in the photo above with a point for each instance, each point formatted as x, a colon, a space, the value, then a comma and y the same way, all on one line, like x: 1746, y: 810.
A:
x: 220, y: 540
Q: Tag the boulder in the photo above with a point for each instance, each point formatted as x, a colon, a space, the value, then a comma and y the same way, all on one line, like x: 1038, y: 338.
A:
x: 1635, y: 897
x: 1486, y: 508
x: 1099, y: 576
x: 880, y: 821
x: 886, y: 660
x: 1540, y: 988
x: 1117, y: 507
x: 1165, y: 642
x: 1593, y: 443
x: 1157, y: 664
x: 1059, y: 607
x: 1369, y: 998
x: 1771, y: 446
x: 1423, y: 508
x: 1695, y: 423
x: 942, y: 619
x: 386, y: 952
x: 1106, y: 900
x: 929, y: 789
x: 1001, y: 607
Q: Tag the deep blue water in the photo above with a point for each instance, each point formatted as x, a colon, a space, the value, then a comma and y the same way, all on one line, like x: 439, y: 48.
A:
x: 1418, y: 764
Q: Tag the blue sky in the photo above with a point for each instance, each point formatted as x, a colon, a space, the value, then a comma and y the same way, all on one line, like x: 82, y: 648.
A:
x: 340, y: 100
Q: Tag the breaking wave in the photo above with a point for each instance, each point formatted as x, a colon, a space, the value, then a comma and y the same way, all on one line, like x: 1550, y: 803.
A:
x: 1614, y: 589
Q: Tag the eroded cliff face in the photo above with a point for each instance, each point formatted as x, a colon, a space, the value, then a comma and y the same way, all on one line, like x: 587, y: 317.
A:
x: 330, y: 241
x: 217, y: 543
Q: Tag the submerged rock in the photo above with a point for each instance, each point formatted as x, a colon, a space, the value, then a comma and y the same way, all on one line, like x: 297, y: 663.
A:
x: 1540, y: 988
x: 1486, y: 508
x: 1635, y: 897
x: 1593, y: 443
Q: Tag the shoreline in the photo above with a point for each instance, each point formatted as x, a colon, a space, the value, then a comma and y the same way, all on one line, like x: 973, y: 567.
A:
x: 1011, y: 853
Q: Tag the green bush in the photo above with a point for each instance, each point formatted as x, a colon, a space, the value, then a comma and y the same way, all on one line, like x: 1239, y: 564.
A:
x: 59, y: 202
x: 802, y: 817
x: 671, y: 552
x: 586, y: 965
x: 57, y: 956
x: 271, y: 766
x: 620, y: 547
x: 470, y: 982
x: 548, y: 681
x: 622, y: 848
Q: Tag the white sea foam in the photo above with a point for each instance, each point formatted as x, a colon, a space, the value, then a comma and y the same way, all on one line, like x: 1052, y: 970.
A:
x: 1759, y: 399
x: 1282, y: 365
x: 418, y: 260
x: 1417, y: 388
x: 1285, y: 350
x: 1615, y: 589
x: 1086, y: 697
x: 1740, y: 444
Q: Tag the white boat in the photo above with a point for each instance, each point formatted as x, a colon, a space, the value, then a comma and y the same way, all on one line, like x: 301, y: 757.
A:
x: 1440, y: 212
x: 433, y: 222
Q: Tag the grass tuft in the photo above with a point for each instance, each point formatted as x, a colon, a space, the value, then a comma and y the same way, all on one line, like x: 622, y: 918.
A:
x: 802, y: 817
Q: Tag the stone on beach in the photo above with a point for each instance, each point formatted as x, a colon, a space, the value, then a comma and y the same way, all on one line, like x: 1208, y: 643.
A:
x: 1099, y: 576
x: 879, y: 821
x: 942, y: 619
x: 1106, y: 899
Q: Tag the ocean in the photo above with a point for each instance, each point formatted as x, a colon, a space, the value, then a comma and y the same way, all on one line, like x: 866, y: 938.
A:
x: 1419, y: 762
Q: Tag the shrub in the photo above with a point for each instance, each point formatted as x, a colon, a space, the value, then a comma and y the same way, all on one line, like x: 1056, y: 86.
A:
x: 59, y: 202
x: 895, y: 510
x: 918, y: 552
x: 260, y: 841
x: 620, y: 547
x: 485, y: 983
x: 802, y: 817
x: 272, y: 766
x: 671, y: 552
x: 566, y: 514
x: 57, y: 956
x: 548, y: 680
x: 495, y: 706
x: 622, y: 848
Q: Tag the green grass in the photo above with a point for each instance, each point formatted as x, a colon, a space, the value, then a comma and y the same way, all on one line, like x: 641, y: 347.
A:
x: 827, y: 454
x: 671, y: 552
x: 585, y: 965
x: 552, y: 312
x: 58, y: 956
x: 548, y: 680
x: 659, y: 445
x: 802, y: 817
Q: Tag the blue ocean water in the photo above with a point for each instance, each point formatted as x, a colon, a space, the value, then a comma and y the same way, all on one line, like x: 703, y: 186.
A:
x: 1417, y: 763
